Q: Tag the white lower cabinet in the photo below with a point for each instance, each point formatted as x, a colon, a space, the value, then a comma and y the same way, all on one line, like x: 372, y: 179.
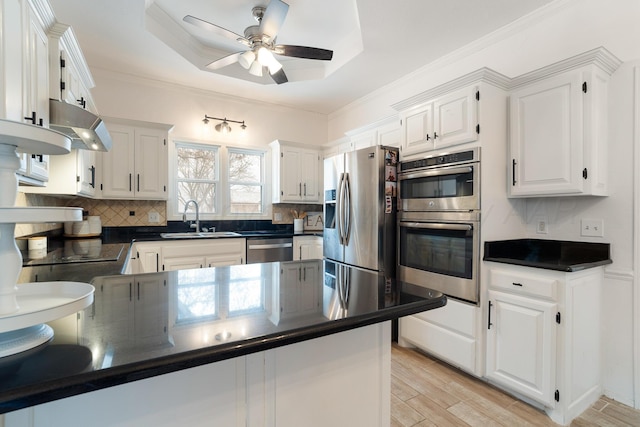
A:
x: 148, y: 257
x: 449, y: 333
x: 521, y: 347
x: 543, y: 336
x: 307, y: 247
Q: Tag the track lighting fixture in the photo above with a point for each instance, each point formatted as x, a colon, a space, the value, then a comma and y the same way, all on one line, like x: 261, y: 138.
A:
x: 223, y: 127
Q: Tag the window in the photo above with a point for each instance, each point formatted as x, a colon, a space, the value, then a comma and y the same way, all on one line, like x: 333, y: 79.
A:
x: 197, y: 176
x: 222, y: 180
x: 246, y: 181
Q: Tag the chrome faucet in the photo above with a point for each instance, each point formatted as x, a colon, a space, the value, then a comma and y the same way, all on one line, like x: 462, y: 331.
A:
x: 184, y: 215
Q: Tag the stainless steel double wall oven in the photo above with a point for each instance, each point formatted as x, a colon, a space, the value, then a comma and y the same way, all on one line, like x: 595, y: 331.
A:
x: 439, y: 223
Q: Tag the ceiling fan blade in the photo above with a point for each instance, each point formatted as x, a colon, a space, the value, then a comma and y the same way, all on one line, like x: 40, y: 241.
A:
x: 208, y: 26
x: 224, y: 61
x: 273, y: 18
x: 279, y: 77
x: 303, y: 52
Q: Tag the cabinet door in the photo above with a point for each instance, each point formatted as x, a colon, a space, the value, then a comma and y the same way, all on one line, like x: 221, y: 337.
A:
x: 118, y: 164
x: 148, y: 257
x: 86, y: 172
x: 150, y: 164
x: 417, y: 133
x: 171, y: 263
x: 309, y: 161
x: 546, y: 137
x: 224, y: 260
x: 36, y: 95
x: 307, y: 247
x: 38, y: 167
x: 290, y: 179
x: 455, y: 118
x: 521, y: 345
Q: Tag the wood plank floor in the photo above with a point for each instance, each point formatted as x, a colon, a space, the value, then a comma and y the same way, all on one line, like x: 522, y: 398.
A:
x: 427, y: 392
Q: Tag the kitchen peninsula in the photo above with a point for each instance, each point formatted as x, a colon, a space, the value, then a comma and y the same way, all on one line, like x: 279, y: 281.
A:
x: 291, y: 343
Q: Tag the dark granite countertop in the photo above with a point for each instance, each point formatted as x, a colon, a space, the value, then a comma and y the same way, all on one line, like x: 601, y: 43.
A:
x: 548, y: 254
x: 189, y: 318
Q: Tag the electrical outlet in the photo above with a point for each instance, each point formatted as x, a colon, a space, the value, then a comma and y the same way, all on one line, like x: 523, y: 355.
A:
x: 541, y: 227
x: 154, y: 217
x: 592, y: 227
x: 277, y: 216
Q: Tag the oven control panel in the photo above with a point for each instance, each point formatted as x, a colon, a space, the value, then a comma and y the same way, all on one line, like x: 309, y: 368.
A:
x: 444, y: 159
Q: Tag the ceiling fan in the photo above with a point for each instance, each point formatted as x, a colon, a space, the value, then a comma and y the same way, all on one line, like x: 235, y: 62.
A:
x: 261, y: 39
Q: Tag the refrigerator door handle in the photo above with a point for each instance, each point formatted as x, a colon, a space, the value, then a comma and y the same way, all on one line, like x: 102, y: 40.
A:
x: 340, y: 208
x: 347, y: 210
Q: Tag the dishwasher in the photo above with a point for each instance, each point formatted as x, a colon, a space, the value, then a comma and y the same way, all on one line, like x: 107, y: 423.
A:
x: 269, y: 249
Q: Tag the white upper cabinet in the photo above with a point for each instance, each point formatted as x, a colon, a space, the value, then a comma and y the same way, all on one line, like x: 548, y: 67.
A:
x: 382, y: 132
x: 70, y: 175
x: 69, y: 75
x: 558, y: 128
x: 296, y: 173
x: 35, y: 104
x: 447, y: 120
x: 136, y: 167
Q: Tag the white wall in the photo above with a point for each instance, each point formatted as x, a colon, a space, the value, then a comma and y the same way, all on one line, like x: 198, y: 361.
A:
x: 563, y: 29
x: 123, y: 96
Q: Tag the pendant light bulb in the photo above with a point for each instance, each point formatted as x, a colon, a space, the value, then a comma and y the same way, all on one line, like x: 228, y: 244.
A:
x: 246, y: 59
x: 256, y: 69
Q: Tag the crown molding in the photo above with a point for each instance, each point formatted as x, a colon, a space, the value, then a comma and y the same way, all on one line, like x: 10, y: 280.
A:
x: 485, y: 75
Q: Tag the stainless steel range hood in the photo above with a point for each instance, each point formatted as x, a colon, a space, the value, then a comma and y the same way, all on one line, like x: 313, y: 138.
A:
x: 86, y: 130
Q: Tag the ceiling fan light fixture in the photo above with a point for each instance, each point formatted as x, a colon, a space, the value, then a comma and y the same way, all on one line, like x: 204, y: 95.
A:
x: 256, y: 69
x: 265, y: 57
x: 274, y: 66
x: 247, y: 59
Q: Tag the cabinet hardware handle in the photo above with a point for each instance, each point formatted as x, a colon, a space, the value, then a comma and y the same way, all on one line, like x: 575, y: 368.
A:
x: 93, y: 176
x: 428, y: 137
x: 513, y: 172
x: 130, y: 182
x: 299, y: 274
x: 138, y: 184
x: 435, y: 135
x: 130, y: 292
x: 300, y: 253
x: 40, y: 122
x: 138, y: 291
x: 299, y: 189
x: 516, y: 284
x: 32, y: 118
x: 157, y: 262
x: 305, y: 188
x: 489, y: 320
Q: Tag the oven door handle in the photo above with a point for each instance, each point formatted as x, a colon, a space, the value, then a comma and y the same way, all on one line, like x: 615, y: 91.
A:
x: 437, y: 226
x: 436, y: 172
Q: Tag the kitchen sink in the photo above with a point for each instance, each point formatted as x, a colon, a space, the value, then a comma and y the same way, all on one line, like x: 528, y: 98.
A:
x: 199, y: 235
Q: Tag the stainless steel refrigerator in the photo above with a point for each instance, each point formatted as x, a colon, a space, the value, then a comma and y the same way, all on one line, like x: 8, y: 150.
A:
x: 360, y: 203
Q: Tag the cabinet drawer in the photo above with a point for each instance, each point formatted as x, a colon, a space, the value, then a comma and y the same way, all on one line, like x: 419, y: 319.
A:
x: 523, y: 284
x: 455, y: 316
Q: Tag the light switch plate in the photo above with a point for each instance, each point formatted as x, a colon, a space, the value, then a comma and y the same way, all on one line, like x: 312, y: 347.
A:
x: 592, y: 227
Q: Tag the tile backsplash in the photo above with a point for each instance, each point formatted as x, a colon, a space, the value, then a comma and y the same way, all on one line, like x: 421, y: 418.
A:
x: 118, y: 213
x: 113, y: 213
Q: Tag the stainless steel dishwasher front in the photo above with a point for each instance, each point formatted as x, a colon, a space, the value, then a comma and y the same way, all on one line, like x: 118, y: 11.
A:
x: 269, y: 249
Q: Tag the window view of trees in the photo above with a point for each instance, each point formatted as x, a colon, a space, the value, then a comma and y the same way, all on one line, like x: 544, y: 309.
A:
x: 198, y: 178
x: 245, y: 181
